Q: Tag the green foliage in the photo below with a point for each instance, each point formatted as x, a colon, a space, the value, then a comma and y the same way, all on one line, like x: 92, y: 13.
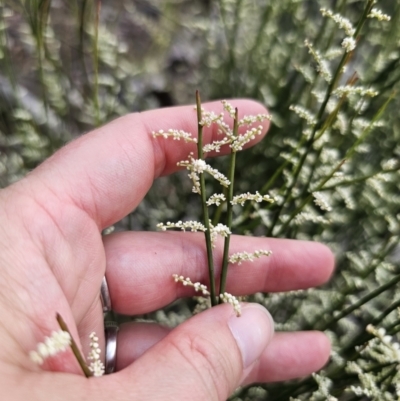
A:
x: 331, y: 158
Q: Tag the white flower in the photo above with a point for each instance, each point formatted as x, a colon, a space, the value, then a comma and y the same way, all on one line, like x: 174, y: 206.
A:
x: 303, y: 217
x: 230, y: 299
x: 216, y: 145
x: 221, y: 229
x: 59, y: 341
x: 304, y: 114
x: 183, y: 225
x: 96, y: 366
x: 199, y: 166
x: 322, y: 65
x: 246, y: 256
x: 257, y: 197
x: 187, y: 282
x: 216, y: 199
x: 175, y: 134
x: 354, y: 90
x: 341, y: 21
x: 229, y: 108
x: 349, y: 44
x: 321, y: 201
x: 241, y: 140
x: 209, y: 117
x: 376, y: 13
x: 248, y: 120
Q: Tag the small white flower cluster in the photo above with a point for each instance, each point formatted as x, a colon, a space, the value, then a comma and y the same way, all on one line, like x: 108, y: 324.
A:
x: 304, y: 217
x: 381, y: 350
x: 248, y: 136
x: 59, y: 341
x: 342, y: 22
x: 382, y: 347
x: 194, y: 226
x: 96, y: 366
x: 237, y: 143
x: 257, y: 197
x: 216, y: 145
x: 219, y: 229
x: 248, y: 120
x: 216, y: 199
x: 202, y: 305
x: 320, y: 200
x: 390, y: 164
x: 322, y: 65
x: 333, y: 52
x: 368, y: 381
x: 209, y: 117
x: 346, y: 195
x: 230, y: 299
x: 324, y: 387
x: 304, y: 114
x: 229, y: 108
x: 175, y: 134
x: 248, y: 256
x: 349, y: 44
x: 187, y: 282
x: 354, y: 90
x: 379, y: 15
x: 199, y: 166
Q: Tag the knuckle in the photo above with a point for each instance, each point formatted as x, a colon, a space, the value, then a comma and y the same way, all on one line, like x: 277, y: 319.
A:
x: 208, y: 362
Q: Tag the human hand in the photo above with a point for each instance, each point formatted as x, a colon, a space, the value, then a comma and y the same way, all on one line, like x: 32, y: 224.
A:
x: 53, y: 259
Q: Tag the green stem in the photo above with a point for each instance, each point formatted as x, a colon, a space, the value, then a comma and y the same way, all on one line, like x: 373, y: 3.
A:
x: 320, y: 122
x: 348, y: 155
x: 309, y: 197
x: 225, y: 259
x: 214, y: 300
x: 74, y: 347
x: 362, y: 301
x: 358, y: 179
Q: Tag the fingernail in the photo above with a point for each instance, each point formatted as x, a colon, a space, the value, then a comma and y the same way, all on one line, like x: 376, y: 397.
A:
x: 253, y: 330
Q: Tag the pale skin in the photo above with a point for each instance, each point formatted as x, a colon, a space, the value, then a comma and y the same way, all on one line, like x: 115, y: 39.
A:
x: 53, y: 259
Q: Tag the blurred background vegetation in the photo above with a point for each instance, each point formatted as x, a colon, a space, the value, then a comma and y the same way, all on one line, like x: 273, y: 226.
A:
x: 331, y: 158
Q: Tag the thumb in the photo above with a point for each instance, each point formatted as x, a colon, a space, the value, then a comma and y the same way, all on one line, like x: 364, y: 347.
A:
x: 205, y: 358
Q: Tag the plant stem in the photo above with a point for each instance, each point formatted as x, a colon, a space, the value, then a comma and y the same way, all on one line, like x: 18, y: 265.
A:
x: 207, y: 234
x: 362, y: 301
x: 320, y: 121
x: 348, y: 155
x: 231, y: 177
x: 74, y: 347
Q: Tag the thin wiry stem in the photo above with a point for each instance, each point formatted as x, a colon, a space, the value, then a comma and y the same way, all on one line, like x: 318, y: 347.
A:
x: 363, y: 300
x: 74, y: 347
x: 210, y: 260
x: 231, y: 177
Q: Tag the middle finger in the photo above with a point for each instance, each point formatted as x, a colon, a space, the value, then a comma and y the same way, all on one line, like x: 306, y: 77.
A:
x: 140, y: 266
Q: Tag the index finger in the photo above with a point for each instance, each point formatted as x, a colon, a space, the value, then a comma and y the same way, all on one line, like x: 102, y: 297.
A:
x: 107, y: 172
